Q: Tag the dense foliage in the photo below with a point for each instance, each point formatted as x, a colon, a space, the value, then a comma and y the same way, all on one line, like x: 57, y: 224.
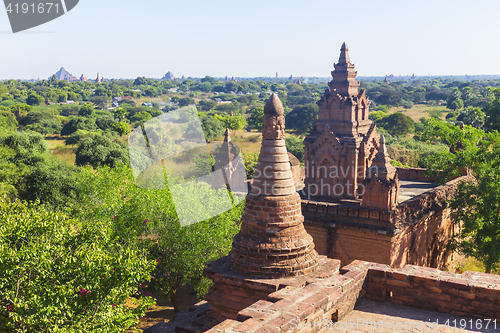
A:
x: 65, y: 275
x: 475, y: 208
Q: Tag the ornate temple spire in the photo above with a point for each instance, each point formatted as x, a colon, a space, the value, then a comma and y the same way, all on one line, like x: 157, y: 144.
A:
x: 381, y: 167
x: 344, y: 76
x: 344, y: 55
x: 381, y: 186
x: 273, y: 242
x: 227, y: 138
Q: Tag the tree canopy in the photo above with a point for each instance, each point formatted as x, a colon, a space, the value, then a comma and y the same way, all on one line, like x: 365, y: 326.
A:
x: 475, y: 208
x: 302, y: 117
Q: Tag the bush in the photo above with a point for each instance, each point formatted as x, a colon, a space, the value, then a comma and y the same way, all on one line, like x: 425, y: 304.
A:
x: 302, y: 117
x: 61, y: 274
x: 46, y: 126
x: 86, y: 110
x: 250, y: 164
x: 410, y: 152
x: 149, y: 217
x: 80, y: 135
x: 377, y: 115
x: 8, y: 122
x: 397, y: 124
x: 212, y: 128
x: 76, y: 123
x: 100, y: 150
x: 295, y: 145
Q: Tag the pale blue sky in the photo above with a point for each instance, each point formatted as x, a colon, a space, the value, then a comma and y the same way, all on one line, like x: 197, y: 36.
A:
x: 126, y: 39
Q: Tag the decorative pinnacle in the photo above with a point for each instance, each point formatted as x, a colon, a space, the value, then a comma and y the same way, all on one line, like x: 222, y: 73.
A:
x: 344, y: 55
x: 273, y: 107
x: 227, y: 138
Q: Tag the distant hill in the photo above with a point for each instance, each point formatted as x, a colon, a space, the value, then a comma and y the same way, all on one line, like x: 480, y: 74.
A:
x: 63, y: 74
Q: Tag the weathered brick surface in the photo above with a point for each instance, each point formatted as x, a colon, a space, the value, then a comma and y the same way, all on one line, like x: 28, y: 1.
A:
x: 470, y: 294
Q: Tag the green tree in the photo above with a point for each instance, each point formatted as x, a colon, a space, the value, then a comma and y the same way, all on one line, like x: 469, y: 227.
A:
x: 29, y: 147
x: 302, y: 117
x: 142, y: 117
x: 45, y: 126
x: 377, y: 115
x: 492, y: 112
x: 121, y: 114
x: 185, y: 101
x: 34, y: 99
x: 397, y: 124
x: 207, y: 105
x: 64, y: 274
x: 10, y: 173
x: 62, y: 97
x: 475, y: 208
x: 295, y: 145
x: 123, y: 128
x: 8, y: 122
x: 236, y: 122
x: 86, y: 110
x: 149, y: 217
x: 76, y: 123
x: 255, y: 120
x: 100, y: 150
x: 52, y: 182
x: 468, y: 95
x: 455, y: 101
x: 472, y: 116
x: 212, y: 128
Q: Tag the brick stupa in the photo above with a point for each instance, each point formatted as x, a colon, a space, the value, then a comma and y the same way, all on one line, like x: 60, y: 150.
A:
x: 272, y: 250
x: 273, y: 242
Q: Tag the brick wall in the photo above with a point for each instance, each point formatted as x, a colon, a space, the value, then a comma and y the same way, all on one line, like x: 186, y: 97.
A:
x: 324, y: 299
x: 424, y: 244
x: 415, y: 233
x: 470, y: 294
x: 416, y: 174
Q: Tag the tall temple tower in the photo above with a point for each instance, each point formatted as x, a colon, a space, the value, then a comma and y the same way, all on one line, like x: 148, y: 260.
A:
x: 343, y: 141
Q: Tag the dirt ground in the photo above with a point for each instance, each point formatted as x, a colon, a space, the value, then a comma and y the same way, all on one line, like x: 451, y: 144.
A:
x: 163, y: 311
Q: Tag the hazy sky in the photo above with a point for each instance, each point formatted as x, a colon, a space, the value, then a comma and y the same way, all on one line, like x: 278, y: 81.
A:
x: 126, y: 39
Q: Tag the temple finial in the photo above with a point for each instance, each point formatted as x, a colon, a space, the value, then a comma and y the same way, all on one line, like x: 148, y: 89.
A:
x: 273, y: 107
x: 227, y: 138
x: 344, y: 54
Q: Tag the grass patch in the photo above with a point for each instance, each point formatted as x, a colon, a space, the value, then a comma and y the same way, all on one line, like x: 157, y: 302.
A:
x: 65, y: 153
x: 471, y: 264
x: 421, y: 110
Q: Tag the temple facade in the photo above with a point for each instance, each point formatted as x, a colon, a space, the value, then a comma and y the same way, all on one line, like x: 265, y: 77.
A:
x: 343, y: 143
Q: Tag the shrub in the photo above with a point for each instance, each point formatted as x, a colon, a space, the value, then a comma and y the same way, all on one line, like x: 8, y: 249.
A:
x: 61, y: 274
x: 76, y: 123
x: 100, y: 150
x: 295, y: 145
x: 250, y: 164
